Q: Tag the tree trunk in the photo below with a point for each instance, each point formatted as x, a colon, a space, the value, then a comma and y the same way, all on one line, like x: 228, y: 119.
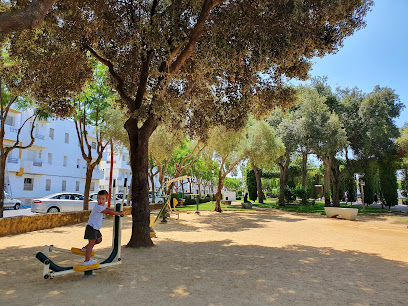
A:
x: 336, y: 189
x: 3, y: 160
x: 218, y: 195
x: 139, y: 160
x: 257, y: 172
x: 88, y: 180
x: 283, y: 171
x: 304, y: 176
x: 327, y: 186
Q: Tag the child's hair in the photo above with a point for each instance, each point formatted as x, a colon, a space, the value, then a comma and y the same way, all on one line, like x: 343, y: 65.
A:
x: 103, y: 192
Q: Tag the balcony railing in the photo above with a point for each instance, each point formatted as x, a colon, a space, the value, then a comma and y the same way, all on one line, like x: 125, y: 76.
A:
x: 37, y: 163
x: 39, y: 136
x: 12, y: 160
x: 13, y: 129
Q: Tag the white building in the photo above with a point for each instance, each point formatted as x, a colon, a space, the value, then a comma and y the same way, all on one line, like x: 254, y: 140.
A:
x: 121, y: 172
x: 53, y: 164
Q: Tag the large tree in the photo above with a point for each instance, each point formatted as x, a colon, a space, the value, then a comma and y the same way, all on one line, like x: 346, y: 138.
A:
x: 264, y: 148
x: 326, y: 136
x: 170, y: 60
x: 229, y: 149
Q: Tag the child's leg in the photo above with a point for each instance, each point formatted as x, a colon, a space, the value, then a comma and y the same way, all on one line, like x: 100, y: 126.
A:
x: 98, y: 241
x: 89, y: 247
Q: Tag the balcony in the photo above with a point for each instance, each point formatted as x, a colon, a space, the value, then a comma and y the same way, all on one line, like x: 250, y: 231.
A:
x: 10, y: 132
x: 96, y: 174
x: 40, y: 140
x: 13, y: 164
x: 124, y: 165
x: 35, y: 167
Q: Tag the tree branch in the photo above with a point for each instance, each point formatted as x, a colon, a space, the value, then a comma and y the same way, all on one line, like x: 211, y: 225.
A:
x: 119, y: 82
x: 16, y: 146
x: 27, y: 18
x: 194, y: 36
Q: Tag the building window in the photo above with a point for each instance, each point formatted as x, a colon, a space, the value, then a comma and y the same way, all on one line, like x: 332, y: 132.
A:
x: 92, y: 188
x: 47, y: 185
x: 9, y: 120
x: 66, y: 138
x: 64, y: 185
x: 93, y: 145
x: 50, y: 158
x: 52, y: 133
x: 77, y: 186
x: 78, y: 163
x: 28, y: 183
x: 65, y: 164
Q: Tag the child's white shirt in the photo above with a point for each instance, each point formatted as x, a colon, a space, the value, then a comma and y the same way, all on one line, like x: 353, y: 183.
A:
x: 96, y: 217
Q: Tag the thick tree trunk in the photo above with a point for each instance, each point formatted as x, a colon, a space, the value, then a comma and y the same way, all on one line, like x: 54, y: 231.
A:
x: 218, y: 195
x: 327, y: 186
x: 304, y: 175
x: 283, y: 171
x: 88, y: 180
x: 139, y: 160
x: 336, y: 189
x: 257, y: 172
x: 2, y: 181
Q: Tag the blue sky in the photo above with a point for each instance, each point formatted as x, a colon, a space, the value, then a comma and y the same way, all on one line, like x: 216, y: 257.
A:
x: 375, y: 55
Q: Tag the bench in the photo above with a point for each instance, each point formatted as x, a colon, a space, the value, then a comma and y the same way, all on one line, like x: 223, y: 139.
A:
x: 346, y: 213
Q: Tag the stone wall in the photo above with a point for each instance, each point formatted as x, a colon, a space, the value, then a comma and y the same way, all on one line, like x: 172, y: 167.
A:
x: 23, y: 224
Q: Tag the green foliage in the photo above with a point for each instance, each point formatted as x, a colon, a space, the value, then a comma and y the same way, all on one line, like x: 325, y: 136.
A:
x: 290, y: 195
x: 232, y: 183
x: 404, y: 182
x: 388, y: 181
x: 350, y: 186
x: 263, y: 146
x: 300, y: 192
x: 370, y: 177
x: 251, y: 185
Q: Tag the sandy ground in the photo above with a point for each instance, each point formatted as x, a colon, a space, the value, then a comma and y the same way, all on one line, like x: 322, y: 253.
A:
x: 234, y: 258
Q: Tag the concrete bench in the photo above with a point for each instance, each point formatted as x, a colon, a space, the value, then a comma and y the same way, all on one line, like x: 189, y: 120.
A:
x: 346, y: 213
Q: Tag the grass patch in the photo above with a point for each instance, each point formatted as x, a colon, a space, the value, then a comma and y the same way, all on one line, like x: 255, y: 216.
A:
x: 209, y: 206
x: 318, y: 207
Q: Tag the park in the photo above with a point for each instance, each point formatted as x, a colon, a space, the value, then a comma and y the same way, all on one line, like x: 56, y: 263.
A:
x: 228, y: 152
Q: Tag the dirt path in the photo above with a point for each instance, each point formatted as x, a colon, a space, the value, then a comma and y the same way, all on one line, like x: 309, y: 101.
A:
x: 233, y: 258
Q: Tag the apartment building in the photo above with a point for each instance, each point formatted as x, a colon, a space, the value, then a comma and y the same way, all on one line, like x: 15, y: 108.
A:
x: 52, y: 164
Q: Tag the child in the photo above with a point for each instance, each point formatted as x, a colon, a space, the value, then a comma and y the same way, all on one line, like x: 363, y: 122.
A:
x: 96, y: 218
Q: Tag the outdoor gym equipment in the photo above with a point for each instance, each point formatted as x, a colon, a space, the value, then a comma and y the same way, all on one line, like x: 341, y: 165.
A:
x: 166, y: 202
x: 51, y: 269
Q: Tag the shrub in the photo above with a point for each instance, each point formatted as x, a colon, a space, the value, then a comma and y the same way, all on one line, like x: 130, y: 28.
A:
x: 290, y: 195
x: 252, y: 187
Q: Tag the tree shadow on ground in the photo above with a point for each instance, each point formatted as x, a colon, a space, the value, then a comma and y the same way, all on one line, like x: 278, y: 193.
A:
x: 231, y: 221
x: 213, y: 273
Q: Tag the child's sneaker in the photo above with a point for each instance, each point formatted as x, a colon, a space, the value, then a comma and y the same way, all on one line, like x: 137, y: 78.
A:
x: 83, y: 249
x: 89, y: 262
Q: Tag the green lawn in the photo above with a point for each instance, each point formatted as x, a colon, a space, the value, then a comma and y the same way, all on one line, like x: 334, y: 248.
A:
x: 208, y: 206
x: 318, y: 207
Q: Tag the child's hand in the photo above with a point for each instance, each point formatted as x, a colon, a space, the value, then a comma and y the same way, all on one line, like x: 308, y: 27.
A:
x: 122, y: 214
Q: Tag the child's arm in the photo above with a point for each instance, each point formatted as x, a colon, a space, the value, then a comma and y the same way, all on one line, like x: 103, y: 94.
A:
x: 108, y: 211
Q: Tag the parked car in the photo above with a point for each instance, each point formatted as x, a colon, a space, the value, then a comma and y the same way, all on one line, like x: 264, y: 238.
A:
x: 60, y: 202
x: 159, y: 199
x: 93, y: 196
x: 9, y: 202
x: 120, y: 197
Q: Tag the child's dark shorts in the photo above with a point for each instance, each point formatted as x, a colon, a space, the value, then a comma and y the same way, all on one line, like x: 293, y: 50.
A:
x: 91, y: 233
